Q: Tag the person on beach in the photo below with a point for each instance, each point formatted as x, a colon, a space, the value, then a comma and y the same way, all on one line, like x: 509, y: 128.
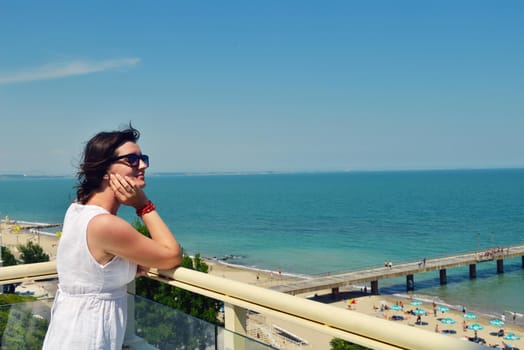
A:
x: 100, y: 253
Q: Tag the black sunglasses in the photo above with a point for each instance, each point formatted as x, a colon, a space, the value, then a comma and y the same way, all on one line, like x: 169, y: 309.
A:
x: 133, y: 159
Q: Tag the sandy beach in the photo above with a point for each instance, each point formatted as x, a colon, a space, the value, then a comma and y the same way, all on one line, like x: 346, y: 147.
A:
x: 11, y: 240
x: 373, y: 305
x: 380, y: 306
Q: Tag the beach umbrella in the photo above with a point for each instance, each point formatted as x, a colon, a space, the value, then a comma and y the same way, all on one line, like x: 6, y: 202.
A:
x: 416, y: 303
x: 511, y: 336
x: 470, y: 316
x: 442, y: 308
x: 420, y: 312
x: 447, y: 320
x: 497, y: 322
x: 475, y: 327
x: 396, y: 307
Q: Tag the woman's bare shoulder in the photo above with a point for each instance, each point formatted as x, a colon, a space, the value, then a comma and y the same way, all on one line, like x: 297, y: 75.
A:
x: 109, y: 225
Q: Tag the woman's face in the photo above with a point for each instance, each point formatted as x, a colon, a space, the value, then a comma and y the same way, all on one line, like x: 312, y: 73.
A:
x: 124, y: 166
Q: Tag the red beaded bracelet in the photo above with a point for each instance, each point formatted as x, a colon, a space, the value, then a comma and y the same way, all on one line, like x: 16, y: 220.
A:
x: 149, y: 207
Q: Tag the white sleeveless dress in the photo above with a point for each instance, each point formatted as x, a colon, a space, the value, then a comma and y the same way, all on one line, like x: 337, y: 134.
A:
x: 90, y: 307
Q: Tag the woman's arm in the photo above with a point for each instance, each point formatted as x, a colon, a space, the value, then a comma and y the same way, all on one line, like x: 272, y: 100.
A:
x: 111, y: 235
x: 116, y: 237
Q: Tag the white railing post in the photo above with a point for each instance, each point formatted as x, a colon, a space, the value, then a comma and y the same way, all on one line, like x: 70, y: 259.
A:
x: 235, y: 323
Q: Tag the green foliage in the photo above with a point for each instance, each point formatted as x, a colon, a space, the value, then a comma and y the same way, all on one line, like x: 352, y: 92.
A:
x: 32, y: 253
x: 167, y: 328
x: 8, y: 299
x: 140, y: 227
x: 188, y: 302
x: 341, y: 344
x: 20, y: 328
x: 7, y: 257
x: 181, y: 299
x: 172, y: 328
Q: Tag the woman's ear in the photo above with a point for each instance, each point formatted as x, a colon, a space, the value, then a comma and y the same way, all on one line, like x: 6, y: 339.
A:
x: 106, y: 177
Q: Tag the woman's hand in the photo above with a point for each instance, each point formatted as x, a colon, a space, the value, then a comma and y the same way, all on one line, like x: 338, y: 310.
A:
x: 126, y: 191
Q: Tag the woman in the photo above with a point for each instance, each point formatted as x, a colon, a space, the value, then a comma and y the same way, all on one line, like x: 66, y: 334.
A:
x: 100, y: 253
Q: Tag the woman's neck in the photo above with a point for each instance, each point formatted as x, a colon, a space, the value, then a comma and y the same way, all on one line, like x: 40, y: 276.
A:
x: 105, y: 199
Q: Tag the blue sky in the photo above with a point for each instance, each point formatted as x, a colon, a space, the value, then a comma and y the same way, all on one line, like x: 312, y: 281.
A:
x: 265, y: 85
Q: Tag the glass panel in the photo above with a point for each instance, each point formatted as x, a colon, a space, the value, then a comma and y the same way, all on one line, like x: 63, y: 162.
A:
x: 227, y: 340
x: 23, y: 325
x: 167, y: 328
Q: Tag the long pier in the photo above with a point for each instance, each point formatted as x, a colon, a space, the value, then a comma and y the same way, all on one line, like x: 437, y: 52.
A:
x: 373, y: 275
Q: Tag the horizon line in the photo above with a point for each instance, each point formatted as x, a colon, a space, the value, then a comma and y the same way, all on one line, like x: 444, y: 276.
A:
x: 268, y: 172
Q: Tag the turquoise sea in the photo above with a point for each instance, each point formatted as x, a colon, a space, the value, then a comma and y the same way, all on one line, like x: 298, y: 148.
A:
x: 314, y: 223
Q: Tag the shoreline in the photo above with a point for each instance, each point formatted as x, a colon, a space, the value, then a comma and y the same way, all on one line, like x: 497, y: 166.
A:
x: 270, y: 278
x: 398, y: 287
x: 355, y: 300
x: 352, y: 299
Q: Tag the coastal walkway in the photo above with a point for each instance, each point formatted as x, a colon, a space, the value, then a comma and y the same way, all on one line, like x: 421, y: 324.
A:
x: 373, y: 275
x: 26, y: 225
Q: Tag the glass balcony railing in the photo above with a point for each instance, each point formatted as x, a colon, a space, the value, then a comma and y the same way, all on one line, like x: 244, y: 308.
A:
x: 162, y: 327
x: 23, y: 325
x: 155, y: 326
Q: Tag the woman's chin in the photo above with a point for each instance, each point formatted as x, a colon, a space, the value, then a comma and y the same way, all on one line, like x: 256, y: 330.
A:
x: 140, y: 182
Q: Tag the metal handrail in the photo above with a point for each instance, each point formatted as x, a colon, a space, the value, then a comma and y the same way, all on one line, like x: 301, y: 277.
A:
x: 28, y: 272
x: 352, y: 326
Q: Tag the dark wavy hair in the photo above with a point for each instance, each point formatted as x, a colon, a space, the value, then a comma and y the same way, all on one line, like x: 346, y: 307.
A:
x: 98, y: 156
